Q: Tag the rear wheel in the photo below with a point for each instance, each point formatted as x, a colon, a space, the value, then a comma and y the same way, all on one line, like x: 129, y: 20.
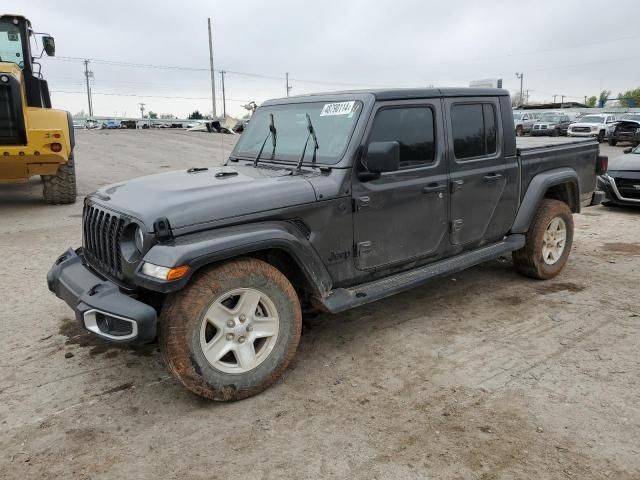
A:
x: 612, y: 142
x: 548, y: 241
x: 60, y: 188
x: 232, y: 331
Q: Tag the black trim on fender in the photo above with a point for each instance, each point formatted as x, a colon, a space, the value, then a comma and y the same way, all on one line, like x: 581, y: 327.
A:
x: 536, y: 191
x: 203, y: 248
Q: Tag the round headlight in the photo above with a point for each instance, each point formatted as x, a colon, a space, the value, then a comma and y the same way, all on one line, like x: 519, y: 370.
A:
x: 139, y: 238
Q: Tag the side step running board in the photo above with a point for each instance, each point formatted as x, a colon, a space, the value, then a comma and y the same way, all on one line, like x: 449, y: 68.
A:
x: 345, y: 298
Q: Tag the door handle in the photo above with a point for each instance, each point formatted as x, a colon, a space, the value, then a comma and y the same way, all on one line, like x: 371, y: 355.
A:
x: 434, y: 187
x: 492, y: 177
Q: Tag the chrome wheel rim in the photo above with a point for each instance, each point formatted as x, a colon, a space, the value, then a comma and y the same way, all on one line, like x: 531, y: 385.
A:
x: 554, y: 241
x: 239, y: 330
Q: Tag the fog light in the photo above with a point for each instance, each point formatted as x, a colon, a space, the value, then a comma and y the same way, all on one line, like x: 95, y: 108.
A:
x: 164, y: 273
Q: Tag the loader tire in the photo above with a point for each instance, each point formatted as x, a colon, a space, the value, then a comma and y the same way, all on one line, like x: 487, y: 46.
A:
x: 60, y: 188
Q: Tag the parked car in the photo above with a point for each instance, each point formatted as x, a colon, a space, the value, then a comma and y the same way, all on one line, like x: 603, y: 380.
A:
x: 621, y: 182
x: 111, y: 124
x: 592, y: 126
x: 552, y: 124
x: 327, y: 201
x: 626, y: 129
x: 523, y: 121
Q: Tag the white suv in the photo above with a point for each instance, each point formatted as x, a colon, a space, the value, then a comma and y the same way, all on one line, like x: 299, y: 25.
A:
x: 592, y: 125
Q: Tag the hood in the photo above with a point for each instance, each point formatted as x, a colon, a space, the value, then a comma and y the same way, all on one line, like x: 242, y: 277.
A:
x: 188, y: 197
x: 586, y: 124
x: 625, y: 163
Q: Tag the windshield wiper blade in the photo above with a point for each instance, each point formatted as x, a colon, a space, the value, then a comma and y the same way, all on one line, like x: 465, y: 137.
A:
x: 312, y: 134
x: 273, y: 134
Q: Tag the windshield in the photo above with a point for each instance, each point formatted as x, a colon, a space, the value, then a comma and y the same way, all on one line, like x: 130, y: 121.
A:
x: 11, y: 44
x: 517, y: 116
x: 631, y: 116
x: 591, y: 119
x: 333, y: 124
x: 550, y: 117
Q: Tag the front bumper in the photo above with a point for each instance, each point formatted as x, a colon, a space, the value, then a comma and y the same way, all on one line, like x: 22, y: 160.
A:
x: 542, y: 132
x: 612, y: 192
x: 582, y: 134
x: 99, y: 305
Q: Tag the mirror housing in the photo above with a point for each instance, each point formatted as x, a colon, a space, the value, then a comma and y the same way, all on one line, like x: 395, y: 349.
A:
x: 49, y: 45
x: 627, y: 150
x: 383, y: 157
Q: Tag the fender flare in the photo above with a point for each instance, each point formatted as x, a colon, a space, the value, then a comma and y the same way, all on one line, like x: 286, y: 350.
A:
x: 204, y: 248
x: 536, y: 192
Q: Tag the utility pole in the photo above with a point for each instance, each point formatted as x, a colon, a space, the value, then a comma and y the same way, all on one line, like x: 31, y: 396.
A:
x: 562, y: 101
x: 554, y: 98
x: 585, y: 99
x: 88, y: 74
x: 287, y: 86
x: 520, y: 76
x: 213, y: 78
x: 224, y: 100
x: 142, y: 109
x: 527, y: 97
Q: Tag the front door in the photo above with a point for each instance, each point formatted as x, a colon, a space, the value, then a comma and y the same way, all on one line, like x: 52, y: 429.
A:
x: 402, y: 216
x: 481, y: 205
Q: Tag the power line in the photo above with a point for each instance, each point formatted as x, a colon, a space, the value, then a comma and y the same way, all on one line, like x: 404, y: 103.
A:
x: 147, y: 96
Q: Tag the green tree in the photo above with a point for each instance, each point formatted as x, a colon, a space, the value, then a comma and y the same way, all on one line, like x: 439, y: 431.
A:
x: 195, y: 115
x: 604, y: 96
x: 591, y: 101
x: 153, y: 115
x: 630, y: 98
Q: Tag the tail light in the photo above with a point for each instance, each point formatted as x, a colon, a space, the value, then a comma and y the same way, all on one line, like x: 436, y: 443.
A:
x: 602, y: 163
x: 56, y: 147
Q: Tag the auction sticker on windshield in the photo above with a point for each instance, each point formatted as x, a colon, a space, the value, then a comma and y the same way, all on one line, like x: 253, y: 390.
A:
x: 341, y: 108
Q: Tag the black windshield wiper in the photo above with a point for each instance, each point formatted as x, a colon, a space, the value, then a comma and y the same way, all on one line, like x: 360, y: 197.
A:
x: 312, y: 134
x: 273, y: 135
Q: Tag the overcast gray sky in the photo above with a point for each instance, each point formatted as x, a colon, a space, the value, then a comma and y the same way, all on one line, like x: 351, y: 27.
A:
x: 566, y: 48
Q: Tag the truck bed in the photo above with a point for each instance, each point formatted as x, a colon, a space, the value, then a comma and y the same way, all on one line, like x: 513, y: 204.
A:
x: 529, y: 143
x: 542, y: 154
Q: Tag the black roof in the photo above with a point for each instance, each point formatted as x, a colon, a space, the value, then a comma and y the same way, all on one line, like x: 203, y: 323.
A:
x: 393, y: 94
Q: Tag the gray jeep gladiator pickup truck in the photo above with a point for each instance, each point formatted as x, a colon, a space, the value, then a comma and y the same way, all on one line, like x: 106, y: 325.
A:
x: 327, y: 202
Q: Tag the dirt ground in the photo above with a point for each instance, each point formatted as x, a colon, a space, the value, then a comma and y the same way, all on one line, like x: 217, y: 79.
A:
x: 482, y: 375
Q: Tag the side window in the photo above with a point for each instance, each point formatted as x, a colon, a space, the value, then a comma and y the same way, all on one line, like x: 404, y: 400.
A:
x: 412, y: 128
x: 474, y: 130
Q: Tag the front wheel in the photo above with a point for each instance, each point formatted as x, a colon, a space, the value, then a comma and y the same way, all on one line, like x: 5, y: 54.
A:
x: 232, y: 331
x: 601, y: 136
x: 612, y: 142
x: 548, y: 241
x: 519, y: 131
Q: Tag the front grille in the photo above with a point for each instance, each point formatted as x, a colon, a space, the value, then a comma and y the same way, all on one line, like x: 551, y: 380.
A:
x: 102, y: 230
x: 581, y: 129
x: 628, y: 187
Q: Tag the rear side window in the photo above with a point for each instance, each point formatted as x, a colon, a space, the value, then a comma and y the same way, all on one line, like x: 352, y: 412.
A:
x: 474, y: 130
x: 412, y: 128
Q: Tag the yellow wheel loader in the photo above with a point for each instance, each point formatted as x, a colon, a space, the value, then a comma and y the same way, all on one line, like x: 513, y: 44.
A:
x: 34, y: 138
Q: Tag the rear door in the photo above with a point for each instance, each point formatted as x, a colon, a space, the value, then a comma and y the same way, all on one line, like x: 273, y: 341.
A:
x: 402, y: 215
x: 481, y: 206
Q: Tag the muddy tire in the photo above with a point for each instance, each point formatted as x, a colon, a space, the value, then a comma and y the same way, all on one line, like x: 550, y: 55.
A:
x: 232, y: 331
x: 60, y: 188
x: 548, y: 242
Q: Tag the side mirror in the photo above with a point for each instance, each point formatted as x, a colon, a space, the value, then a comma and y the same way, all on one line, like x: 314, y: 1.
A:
x: 49, y: 45
x: 383, y: 157
x: 627, y: 150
